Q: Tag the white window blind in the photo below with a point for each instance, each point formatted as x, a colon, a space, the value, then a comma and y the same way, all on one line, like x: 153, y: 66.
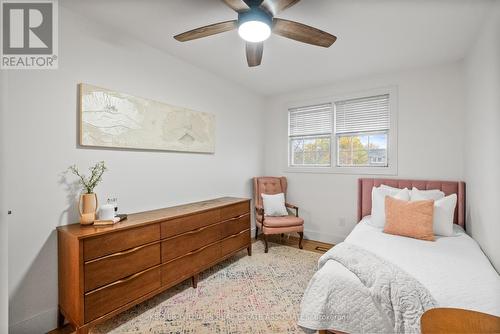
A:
x: 366, y: 114
x: 310, y: 133
x: 311, y: 121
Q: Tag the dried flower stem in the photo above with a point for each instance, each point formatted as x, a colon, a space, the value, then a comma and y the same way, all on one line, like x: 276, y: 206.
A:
x: 89, y: 183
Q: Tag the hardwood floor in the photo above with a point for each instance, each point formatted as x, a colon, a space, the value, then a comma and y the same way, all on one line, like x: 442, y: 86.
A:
x: 68, y: 329
x: 291, y: 241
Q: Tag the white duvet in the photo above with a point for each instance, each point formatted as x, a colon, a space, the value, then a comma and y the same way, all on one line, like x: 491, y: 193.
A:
x: 453, y: 269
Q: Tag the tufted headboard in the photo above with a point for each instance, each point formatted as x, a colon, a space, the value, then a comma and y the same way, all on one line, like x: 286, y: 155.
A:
x: 365, y: 186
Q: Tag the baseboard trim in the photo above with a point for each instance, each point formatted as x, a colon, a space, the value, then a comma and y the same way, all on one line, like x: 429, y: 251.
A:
x: 41, y: 323
x: 323, y: 237
x: 318, y: 236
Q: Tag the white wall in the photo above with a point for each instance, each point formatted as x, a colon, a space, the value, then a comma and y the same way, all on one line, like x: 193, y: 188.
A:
x: 482, y: 135
x: 430, y: 131
x: 3, y: 213
x: 42, y: 143
x: 41, y: 129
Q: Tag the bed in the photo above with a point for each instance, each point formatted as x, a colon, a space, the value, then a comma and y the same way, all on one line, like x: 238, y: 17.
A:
x: 453, y: 270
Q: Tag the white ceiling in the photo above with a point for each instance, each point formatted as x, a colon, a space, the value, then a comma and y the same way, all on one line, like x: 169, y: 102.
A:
x: 374, y: 36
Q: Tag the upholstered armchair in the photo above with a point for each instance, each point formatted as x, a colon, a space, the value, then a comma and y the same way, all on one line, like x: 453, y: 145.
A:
x: 274, y: 225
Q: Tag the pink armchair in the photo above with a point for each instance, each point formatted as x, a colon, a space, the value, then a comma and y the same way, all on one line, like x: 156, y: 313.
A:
x: 274, y: 225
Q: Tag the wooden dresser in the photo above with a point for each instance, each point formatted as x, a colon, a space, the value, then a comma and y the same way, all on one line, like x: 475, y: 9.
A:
x: 105, y: 270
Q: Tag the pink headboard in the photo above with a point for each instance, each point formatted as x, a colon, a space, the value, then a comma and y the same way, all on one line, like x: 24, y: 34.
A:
x: 448, y: 187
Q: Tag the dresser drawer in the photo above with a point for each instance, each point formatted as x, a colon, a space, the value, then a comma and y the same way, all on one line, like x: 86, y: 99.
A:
x: 108, y: 298
x: 184, y: 267
x: 234, y: 210
x: 185, y: 224
x: 236, y: 225
x: 235, y: 242
x: 118, y: 241
x: 113, y: 267
x: 184, y: 243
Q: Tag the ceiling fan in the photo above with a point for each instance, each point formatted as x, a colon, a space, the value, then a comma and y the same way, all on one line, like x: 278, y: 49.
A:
x: 255, y: 23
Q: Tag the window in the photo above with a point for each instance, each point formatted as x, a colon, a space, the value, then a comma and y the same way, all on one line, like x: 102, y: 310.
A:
x: 362, y: 131
x: 310, y: 135
x: 353, y: 134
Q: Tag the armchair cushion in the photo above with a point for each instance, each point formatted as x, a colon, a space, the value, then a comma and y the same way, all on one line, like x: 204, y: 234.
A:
x: 283, y: 221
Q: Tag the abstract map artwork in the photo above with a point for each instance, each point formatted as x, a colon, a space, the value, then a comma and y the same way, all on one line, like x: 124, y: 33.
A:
x: 117, y: 120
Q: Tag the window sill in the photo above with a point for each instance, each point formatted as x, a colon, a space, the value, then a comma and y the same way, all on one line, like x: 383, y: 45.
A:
x: 391, y: 170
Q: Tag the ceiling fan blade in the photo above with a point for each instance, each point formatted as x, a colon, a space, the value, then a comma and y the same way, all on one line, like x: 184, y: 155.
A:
x: 237, y: 5
x: 205, y: 31
x: 254, y: 53
x: 302, y: 33
x: 276, y: 6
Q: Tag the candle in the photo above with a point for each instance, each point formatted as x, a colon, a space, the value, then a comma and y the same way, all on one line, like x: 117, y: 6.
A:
x: 106, y: 212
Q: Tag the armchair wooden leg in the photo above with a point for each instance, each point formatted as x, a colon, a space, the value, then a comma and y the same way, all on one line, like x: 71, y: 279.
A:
x: 256, y: 232
x: 265, y: 242
x: 300, y: 240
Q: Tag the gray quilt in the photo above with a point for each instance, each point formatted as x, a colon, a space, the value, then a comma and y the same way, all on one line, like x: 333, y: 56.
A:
x: 398, y: 298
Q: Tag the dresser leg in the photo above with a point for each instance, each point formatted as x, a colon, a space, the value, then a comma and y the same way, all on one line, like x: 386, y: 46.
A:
x: 60, y: 318
x: 249, y: 250
x: 194, y: 281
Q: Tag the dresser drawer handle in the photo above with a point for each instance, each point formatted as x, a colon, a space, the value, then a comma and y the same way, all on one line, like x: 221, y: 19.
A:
x: 197, y: 230
x: 240, y: 216
x: 198, y: 250
x: 192, y: 252
x: 236, y: 218
x: 205, y: 227
x: 237, y: 234
x: 132, y: 250
x: 122, y: 281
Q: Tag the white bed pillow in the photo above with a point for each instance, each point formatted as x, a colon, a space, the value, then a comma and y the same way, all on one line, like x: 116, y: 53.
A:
x: 378, y: 202
x: 383, y: 186
x: 444, y: 210
x: 434, y: 194
x: 274, y: 205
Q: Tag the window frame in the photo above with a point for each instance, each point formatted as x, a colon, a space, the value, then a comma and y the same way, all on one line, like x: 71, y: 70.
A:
x: 334, y: 168
x: 317, y: 135
x: 290, y: 148
x: 367, y: 134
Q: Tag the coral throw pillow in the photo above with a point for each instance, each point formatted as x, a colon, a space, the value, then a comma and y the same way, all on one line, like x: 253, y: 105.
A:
x: 409, y: 219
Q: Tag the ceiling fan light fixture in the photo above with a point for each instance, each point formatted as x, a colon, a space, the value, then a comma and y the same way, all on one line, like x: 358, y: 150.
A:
x: 254, y: 31
x: 256, y: 22
x: 254, y: 25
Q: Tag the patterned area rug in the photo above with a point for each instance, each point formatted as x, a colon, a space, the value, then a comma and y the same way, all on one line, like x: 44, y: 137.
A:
x: 257, y: 294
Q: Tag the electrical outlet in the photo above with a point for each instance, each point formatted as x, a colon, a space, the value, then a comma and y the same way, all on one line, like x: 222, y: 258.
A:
x: 342, y: 221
